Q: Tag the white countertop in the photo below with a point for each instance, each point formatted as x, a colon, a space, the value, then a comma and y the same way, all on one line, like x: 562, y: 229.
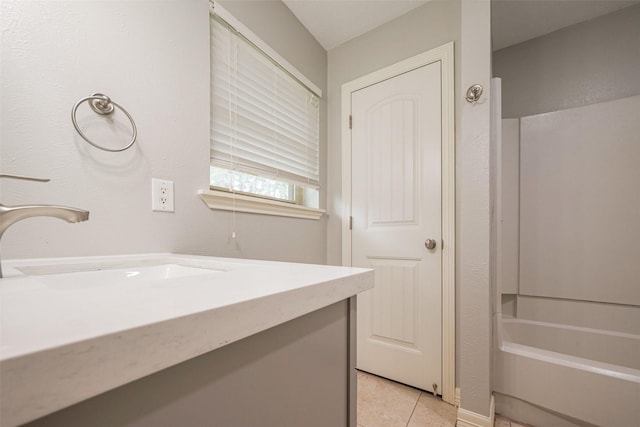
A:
x: 67, y: 336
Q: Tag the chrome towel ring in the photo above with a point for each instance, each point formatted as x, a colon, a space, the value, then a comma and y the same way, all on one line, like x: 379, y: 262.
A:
x: 102, y: 105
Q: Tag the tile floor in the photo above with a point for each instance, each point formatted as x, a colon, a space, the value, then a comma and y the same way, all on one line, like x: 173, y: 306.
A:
x: 505, y: 422
x: 384, y: 403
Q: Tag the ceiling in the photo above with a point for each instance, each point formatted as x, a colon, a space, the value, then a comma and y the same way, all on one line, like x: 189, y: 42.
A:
x: 334, y: 22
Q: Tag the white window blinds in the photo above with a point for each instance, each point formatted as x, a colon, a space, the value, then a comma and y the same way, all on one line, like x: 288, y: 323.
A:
x: 263, y: 120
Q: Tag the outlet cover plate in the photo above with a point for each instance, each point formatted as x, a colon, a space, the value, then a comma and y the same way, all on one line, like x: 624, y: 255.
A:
x: 162, y: 199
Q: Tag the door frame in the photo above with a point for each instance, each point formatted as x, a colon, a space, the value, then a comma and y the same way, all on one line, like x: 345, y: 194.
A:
x: 444, y: 54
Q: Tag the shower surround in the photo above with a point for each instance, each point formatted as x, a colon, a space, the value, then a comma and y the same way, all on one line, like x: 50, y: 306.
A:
x: 568, y: 304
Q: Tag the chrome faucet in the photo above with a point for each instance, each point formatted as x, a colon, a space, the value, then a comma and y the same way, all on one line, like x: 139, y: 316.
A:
x: 9, y: 215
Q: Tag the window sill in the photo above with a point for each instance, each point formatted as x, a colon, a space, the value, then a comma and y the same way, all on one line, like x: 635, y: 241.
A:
x: 226, y: 201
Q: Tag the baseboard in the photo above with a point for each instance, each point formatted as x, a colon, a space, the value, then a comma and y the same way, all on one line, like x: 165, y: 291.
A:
x: 456, y: 398
x: 471, y: 419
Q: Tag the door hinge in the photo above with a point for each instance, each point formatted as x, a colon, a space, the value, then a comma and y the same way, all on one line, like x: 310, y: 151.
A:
x: 350, y: 223
x: 350, y: 121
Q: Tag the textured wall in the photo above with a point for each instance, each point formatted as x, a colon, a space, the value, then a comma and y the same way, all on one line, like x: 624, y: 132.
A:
x: 473, y: 206
x: 153, y: 58
x: 595, y: 61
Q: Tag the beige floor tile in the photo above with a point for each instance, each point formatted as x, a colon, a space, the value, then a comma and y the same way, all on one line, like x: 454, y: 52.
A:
x: 383, y: 403
x: 501, y: 422
x: 432, y: 412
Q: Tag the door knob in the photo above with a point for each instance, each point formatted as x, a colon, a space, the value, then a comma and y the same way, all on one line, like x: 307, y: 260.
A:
x: 430, y: 244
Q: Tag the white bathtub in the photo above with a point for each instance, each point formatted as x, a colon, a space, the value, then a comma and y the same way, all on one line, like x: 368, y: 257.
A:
x: 587, y: 374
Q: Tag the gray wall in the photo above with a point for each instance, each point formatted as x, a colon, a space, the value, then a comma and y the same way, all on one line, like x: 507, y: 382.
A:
x: 474, y: 243
x: 595, y: 61
x: 155, y: 62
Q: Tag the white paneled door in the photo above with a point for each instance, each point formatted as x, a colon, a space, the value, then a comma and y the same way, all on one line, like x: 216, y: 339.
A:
x: 396, y: 205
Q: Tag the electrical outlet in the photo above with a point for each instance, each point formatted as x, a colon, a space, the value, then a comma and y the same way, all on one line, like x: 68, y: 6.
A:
x: 162, y: 195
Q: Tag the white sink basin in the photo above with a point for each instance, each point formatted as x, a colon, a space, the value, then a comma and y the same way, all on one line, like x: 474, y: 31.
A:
x: 106, y: 277
x: 156, y: 272
x: 161, y: 268
x: 147, y: 271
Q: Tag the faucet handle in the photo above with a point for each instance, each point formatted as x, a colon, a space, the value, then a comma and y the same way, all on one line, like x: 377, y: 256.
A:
x: 24, y: 178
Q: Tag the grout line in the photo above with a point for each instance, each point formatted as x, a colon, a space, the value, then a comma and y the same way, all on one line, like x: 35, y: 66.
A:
x: 414, y: 409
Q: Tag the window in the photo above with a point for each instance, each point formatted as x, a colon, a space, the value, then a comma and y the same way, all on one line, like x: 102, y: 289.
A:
x: 264, y: 120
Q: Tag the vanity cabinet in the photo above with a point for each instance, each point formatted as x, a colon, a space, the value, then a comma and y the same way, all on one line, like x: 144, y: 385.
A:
x: 299, y: 373
x: 151, y: 340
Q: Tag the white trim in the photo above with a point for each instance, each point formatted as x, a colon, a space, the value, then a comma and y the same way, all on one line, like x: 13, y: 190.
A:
x: 448, y: 226
x: 445, y: 54
x: 456, y: 400
x: 471, y: 419
x: 227, y: 201
x: 215, y: 8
